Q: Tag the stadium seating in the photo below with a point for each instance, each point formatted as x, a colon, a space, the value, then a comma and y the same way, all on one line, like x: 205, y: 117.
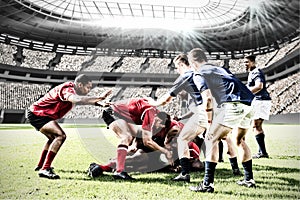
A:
x: 19, y: 96
x: 284, y: 92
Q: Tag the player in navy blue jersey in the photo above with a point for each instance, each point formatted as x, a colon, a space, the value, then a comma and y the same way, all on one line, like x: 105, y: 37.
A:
x: 257, y: 85
x: 233, y: 110
x: 200, y: 117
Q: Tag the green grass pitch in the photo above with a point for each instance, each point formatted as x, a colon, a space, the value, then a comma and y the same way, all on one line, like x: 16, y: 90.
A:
x: 20, y: 148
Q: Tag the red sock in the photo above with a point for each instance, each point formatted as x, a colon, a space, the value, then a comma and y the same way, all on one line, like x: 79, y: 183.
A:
x: 106, y: 168
x: 42, y: 158
x: 50, y: 157
x: 121, y: 157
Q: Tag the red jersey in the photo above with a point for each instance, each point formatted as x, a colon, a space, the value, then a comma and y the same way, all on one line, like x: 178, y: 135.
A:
x: 136, y: 111
x: 160, y: 136
x: 55, y: 104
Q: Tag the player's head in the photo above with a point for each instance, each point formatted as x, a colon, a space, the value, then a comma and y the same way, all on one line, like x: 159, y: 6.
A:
x: 196, y: 57
x: 161, y: 120
x: 181, y: 63
x: 249, y: 62
x: 83, y: 84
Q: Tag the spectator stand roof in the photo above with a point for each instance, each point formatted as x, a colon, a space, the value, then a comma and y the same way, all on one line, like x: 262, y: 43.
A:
x: 77, y: 26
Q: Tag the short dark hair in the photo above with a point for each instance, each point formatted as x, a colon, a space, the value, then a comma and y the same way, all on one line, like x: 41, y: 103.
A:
x: 82, y: 78
x: 182, y: 58
x: 251, y: 58
x: 165, y: 117
x: 198, y: 55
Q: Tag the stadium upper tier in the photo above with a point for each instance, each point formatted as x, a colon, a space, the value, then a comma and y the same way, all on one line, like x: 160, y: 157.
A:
x: 19, y: 56
x: 223, y: 27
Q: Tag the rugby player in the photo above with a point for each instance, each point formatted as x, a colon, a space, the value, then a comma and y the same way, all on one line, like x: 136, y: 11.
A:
x: 144, y: 159
x: 122, y: 118
x: 257, y: 85
x: 43, y: 114
x: 234, y: 110
x: 198, y: 118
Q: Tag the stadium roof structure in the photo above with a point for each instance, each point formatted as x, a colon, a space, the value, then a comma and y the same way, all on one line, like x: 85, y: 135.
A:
x: 229, y: 26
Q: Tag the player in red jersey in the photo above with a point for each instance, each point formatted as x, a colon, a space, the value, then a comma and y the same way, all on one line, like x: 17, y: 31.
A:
x: 54, y: 105
x: 129, y: 113
x: 143, y: 159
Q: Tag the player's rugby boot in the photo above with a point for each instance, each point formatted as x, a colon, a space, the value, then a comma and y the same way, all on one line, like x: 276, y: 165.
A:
x: 260, y: 155
x: 181, y: 177
x: 48, y: 173
x: 203, y: 188
x: 122, y: 175
x: 250, y: 183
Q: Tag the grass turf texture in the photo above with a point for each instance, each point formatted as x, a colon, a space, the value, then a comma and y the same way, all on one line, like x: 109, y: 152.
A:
x: 20, y: 148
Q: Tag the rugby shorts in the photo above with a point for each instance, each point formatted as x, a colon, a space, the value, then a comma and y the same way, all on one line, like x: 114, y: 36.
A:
x: 234, y: 114
x: 37, y: 121
x: 262, y: 109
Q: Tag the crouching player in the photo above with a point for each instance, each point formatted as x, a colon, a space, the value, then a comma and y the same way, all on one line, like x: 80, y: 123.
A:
x: 145, y: 159
x: 122, y: 118
x: 54, y: 105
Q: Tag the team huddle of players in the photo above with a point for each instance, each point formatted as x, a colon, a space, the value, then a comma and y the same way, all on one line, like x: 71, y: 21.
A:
x: 218, y: 103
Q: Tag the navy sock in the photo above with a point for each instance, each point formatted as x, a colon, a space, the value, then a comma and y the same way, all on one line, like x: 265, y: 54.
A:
x: 248, y: 170
x: 209, y: 176
x: 185, y: 166
x: 260, y: 138
x: 221, y: 151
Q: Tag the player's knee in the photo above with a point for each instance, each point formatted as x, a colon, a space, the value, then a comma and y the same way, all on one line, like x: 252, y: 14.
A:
x: 62, y: 137
x: 107, y: 116
x: 240, y: 140
x: 126, y: 139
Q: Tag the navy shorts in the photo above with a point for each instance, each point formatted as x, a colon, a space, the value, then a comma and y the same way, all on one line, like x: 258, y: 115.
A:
x: 37, y: 121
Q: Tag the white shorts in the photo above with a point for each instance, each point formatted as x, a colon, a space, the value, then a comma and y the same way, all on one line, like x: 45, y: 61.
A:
x: 234, y: 114
x: 195, y: 124
x: 262, y: 109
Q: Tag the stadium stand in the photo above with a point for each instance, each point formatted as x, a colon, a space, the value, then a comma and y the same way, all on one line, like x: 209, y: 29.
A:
x: 71, y: 62
x: 6, y: 54
x: 158, y: 65
x: 123, y: 75
x: 36, y: 59
x: 19, y: 96
x: 101, y: 63
x: 131, y: 64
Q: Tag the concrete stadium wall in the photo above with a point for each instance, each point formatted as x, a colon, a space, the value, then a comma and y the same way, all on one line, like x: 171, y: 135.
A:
x: 291, y: 118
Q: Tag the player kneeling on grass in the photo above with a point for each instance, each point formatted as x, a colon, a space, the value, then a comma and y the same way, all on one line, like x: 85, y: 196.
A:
x: 122, y: 117
x: 54, y: 105
x: 140, y: 158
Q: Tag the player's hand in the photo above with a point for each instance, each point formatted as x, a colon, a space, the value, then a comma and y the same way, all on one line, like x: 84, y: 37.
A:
x: 170, y: 157
x: 167, y: 146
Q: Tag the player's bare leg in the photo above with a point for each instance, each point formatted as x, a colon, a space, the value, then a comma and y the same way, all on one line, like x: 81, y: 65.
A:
x: 190, y: 130
x: 51, y: 130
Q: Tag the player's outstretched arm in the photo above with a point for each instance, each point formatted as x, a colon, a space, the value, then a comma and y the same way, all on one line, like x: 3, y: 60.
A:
x: 161, y: 101
x: 87, y: 100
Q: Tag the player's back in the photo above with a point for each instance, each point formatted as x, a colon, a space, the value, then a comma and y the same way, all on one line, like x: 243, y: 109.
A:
x: 224, y: 86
